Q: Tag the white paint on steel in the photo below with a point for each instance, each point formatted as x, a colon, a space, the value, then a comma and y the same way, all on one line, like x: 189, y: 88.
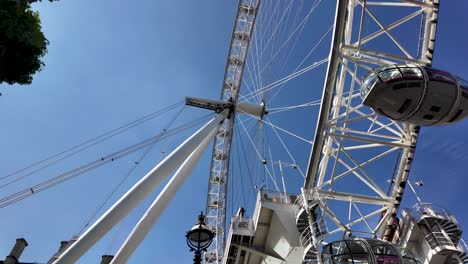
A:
x: 251, y: 109
x: 147, y: 221
x: 347, y: 132
x: 219, y: 169
x: 138, y: 192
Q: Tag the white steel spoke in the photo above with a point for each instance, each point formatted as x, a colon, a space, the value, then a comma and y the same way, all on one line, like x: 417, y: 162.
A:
x: 259, y: 155
x: 303, y: 22
x: 285, y: 131
x: 284, y: 80
x: 289, y: 152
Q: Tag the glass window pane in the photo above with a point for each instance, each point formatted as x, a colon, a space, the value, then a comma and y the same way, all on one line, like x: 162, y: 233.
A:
x: 390, y: 66
x: 368, y: 82
x: 383, y: 259
x: 327, y: 249
x: 361, y: 259
x: 389, y: 74
x: 413, y: 73
x: 339, y: 248
x: 327, y: 259
x: 343, y: 259
x: 382, y: 248
x: 356, y: 247
x: 408, y: 257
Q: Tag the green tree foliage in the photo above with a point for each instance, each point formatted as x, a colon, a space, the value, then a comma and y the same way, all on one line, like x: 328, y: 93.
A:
x: 22, y: 43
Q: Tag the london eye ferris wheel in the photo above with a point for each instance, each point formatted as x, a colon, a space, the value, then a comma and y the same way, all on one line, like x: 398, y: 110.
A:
x: 321, y: 106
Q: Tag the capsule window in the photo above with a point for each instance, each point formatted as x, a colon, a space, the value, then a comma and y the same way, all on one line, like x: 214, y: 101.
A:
x: 413, y: 72
x: 389, y: 74
x: 408, y: 257
x: 428, y: 117
x: 381, y: 248
x: 367, y: 84
x: 343, y: 259
x: 435, y: 108
x: 340, y: 248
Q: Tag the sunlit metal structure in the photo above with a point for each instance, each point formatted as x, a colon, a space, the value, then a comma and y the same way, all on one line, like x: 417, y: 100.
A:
x: 359, y: 164
x: 417, y: 95
x: 360, y: 161
x: 219, y: 169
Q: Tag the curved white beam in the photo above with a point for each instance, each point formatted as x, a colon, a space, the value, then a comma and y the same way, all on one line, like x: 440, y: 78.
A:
x: 140, y: 191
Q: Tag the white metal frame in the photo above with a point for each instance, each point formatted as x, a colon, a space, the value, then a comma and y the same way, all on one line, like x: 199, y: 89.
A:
x: 355, y: 150
x: 219, y: 168
x: 143, y: 188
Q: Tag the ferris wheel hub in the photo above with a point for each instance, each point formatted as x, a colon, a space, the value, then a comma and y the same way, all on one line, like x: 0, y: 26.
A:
x: 257, y: 110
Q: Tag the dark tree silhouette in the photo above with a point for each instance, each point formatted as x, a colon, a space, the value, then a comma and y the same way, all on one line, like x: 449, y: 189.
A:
x: 22, y: 43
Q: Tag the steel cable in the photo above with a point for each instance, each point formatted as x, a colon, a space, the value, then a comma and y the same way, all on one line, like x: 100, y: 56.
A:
x: 49, y: 183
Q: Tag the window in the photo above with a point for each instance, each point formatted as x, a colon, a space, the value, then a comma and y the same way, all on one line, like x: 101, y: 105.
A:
x: 343, y: 259
x: 387, y: 259
x: 408, y: 257
x: 368, y: 83
x: 384, y: 252
x: 411, y: 72
x: 380, y: 247
x: 327, y: 259
x: 389, y: 74
x: 361, y: 259
x: 339, y: 248
x: 357, y: 247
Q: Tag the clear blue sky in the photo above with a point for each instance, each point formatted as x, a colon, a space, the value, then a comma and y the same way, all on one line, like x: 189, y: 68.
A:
x: 112, y: 62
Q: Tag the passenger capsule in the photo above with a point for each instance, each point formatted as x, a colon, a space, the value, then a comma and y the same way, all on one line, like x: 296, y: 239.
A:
x: 418, y: 95
x: 367, y: 251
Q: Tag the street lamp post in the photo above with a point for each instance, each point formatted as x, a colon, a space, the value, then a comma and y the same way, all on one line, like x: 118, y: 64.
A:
x: 199, y: 238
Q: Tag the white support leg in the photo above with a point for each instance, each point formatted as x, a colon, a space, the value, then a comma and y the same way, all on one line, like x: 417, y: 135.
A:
x: 153, y: 213
x: 138, y: 192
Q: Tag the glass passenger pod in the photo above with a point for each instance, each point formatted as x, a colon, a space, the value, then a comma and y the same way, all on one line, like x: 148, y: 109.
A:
x: 366, y: 251
x: 418, y: 95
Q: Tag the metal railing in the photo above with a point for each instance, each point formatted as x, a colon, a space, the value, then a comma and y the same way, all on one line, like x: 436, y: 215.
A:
x: 462, y: 246
x: 311, y: 196
x: 277, y: 197
x: 438, y: 239
x: 320, y: 229
x: 272, y: 196
x: 426, y: 209
x: 242, y: 225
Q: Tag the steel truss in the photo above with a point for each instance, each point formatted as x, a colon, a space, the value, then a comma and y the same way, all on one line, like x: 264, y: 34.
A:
x: 355, y: 151
x: 219, y: 168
